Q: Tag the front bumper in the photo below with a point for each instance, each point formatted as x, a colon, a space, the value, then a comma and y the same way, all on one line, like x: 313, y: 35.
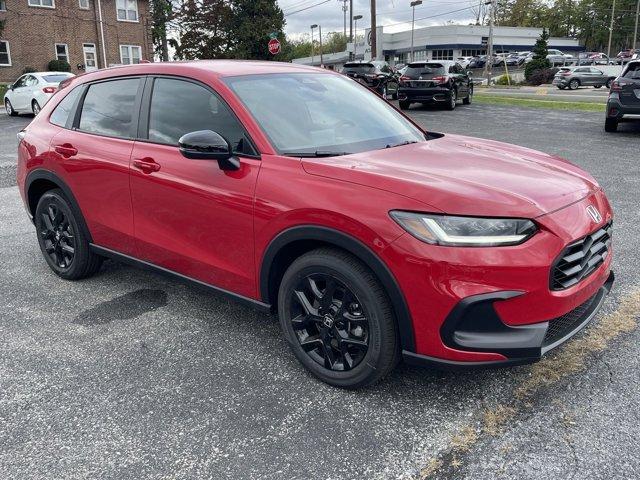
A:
x: 475, y: 325
x: 424, y: 95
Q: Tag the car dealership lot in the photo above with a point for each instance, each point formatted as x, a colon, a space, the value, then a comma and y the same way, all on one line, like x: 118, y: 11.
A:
x: 129, y: 374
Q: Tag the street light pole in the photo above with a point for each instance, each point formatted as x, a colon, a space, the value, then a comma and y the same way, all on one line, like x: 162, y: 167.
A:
x: 355, y: 19
x: 635, y: 31
x: 312, y: 27
x: 489, y: 63
x: 413, y: 20
x: 374, y: 31
x: 344, y: 11
x: 351, y: 20
x: 320, y: 33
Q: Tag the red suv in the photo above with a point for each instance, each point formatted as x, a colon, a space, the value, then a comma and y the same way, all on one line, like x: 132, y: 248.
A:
x: 301, y: 192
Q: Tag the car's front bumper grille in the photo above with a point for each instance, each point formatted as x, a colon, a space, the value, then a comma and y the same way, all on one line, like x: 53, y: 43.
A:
x: 564, y: 325
x: 581, y: 259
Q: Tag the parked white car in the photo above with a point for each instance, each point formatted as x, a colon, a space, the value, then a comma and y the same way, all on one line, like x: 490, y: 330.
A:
x: 31, y: 91
x: 464, y: 61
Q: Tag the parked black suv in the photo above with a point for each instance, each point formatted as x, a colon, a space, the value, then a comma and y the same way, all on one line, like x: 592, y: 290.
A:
x: 624, y: 96
x: 436, y: 81
x: 376, y: 74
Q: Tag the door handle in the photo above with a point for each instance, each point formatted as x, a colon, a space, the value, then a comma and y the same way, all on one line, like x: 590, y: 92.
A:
x: 66, y: 150
x: 146, y: 164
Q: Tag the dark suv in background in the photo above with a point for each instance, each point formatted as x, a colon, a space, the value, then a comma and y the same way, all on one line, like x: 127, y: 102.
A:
x: 436, y: 81
x: 624, y: 97
x: 376, y: 74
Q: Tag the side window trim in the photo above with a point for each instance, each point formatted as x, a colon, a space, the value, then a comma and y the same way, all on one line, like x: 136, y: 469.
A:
x: 145, y: 110
x: 135, y: 117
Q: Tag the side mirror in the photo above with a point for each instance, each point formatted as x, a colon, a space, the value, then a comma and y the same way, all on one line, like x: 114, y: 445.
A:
x: 208, y: 145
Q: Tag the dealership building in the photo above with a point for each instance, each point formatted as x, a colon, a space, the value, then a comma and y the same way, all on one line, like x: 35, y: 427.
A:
x: 446, y: 42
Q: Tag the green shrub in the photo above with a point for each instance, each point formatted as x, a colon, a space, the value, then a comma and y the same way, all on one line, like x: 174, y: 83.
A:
x: 505, y: 80
x: 28, y: 70
x: 59, y: 66
x: 542, y: 76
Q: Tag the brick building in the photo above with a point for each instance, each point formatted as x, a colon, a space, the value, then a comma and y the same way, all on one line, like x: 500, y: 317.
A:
x: 89, y: 34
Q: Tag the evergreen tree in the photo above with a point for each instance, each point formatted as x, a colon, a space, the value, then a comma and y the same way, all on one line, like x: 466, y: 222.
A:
x: 252, y: 23
x: 540, y: 52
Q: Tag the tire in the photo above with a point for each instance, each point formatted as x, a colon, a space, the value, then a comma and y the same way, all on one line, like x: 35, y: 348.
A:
x: 574, y: 84
x: 58, y: 230
x: 608, y: 84
x: 404, y: 104
x: 394, y: 95
x: 9, y: 108
x: 453, y: 100
x: 35, y: 107
x: 358, y: 305
x: 561, y: 87
x: 469, y: 98
x: 610, y: 125
x: 597, y: 86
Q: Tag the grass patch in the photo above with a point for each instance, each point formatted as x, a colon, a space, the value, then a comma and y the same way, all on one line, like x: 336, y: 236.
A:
x: 3, y: 90
x: 549, y: 104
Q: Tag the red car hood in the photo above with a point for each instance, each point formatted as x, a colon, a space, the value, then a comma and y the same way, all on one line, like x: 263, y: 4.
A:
x: 465, y: 176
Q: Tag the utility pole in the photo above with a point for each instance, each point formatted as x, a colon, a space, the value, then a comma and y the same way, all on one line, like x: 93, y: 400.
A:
x: 312, y: 27
x: 355, y: 19
x: 373, y: 32
x: 320, y: 33
x: 613, y: 12
x: 344, y: 10
x: 351, y: 20
x: 489, y: 64
x: 413, y: 20
x: 635, y: 32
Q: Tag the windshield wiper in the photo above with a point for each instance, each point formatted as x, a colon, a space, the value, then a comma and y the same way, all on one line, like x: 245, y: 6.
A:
x: 316, y: 154
x: 408, y: 142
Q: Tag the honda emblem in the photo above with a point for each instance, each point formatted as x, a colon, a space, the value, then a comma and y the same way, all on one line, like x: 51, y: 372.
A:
x: 594, y: 214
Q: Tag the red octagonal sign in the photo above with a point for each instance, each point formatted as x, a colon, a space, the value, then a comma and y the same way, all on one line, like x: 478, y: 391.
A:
x: 274, y: 46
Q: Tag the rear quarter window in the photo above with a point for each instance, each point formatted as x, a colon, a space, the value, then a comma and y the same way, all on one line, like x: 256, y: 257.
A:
x: 633, y: 72
x: 63, y: 110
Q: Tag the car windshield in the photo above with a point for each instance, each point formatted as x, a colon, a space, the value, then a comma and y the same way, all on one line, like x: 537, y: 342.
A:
x: 358, y: 68
x: 425, y: 70
x: 57, y: 78
x: 321, y: 114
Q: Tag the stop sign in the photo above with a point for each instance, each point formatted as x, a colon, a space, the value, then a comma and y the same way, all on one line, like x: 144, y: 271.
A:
x: 274, y: 46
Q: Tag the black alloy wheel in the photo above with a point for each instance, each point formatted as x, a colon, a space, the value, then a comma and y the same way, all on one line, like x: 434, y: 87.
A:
x: 35, y: 107
x: 63, y: 243
x: 58, y: 236
x: 330, y: 322
x: 453, y: 100
x: 469, y: 97
x: 337, y: 318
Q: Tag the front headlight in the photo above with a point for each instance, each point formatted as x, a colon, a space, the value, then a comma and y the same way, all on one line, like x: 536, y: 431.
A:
x: 465, y: 231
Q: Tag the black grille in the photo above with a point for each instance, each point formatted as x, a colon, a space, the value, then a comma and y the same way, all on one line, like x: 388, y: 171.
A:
x: 580, y: 259
x: 561, y: 326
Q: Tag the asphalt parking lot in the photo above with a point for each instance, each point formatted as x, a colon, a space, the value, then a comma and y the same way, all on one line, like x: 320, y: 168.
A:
x: 131, y: 375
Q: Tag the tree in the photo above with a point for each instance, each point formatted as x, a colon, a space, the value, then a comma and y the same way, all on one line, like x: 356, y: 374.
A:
x: 205, y: 30
x: 252, y: 24
x: 540, y: 52
x: 161, y: 14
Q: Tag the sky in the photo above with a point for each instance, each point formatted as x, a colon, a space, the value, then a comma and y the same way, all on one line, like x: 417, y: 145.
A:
x: 300, y: 14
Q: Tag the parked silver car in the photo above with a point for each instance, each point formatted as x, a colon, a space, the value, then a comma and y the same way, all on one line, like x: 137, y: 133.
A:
x: 574, y: 77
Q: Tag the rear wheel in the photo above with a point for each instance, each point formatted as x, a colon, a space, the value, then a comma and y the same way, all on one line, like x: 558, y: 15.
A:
x: 35, y: 107
x: 404, y: 104
x: 62, y: 242
x: 574, y: 84
x: 610, y: 125
x: 597, y: 86
x: 338, y: 319
x: 467, y: 101
x: 453, y: 100
x: 561, y: 87
x: 9, y: 108
x: 608, y: 84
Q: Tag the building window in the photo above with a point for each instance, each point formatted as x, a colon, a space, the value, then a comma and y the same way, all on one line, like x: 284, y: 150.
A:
x: 42, y: 3
x: 62, y: 52
x: 84, y: 4
x: 130, y: 54
x: 442, y: 54
x: 474, y: 52
x: 127, y: 10
x: 5, y: 54
x: 3, y: 6
x: 417, y: 55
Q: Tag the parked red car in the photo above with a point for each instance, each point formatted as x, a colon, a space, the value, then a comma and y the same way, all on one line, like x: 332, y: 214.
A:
x: 302, y: 192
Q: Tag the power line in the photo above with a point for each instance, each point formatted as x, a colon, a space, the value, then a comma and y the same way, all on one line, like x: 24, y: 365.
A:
x: 307, y: 8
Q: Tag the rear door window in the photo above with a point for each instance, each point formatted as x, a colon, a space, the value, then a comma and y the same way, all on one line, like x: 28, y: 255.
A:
x: 63, y: 110
x: 108, y: 108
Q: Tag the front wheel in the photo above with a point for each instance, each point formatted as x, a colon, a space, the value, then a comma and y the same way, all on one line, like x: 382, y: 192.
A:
x: 597, y: 86
x: 338, y: 319
x: 62, y: 242
x: 404, y: 104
